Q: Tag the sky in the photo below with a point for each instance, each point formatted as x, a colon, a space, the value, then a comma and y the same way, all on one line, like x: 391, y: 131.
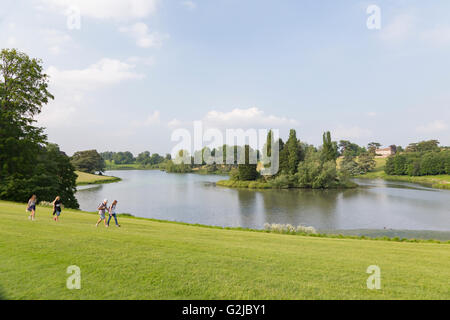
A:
x: 127, y: 73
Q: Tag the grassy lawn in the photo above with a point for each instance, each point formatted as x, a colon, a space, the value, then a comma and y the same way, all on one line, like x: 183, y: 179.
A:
x: 439, y: 182
x: 87, y: 178
x: 155, y: 260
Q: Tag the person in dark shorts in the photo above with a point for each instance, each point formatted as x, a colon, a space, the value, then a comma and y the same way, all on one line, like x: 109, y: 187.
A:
x: 31, y: 207
x: 102, y: 208
x: 57, y: 208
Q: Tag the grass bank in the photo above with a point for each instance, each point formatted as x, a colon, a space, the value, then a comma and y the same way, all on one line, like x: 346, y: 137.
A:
x: 266, y: 185
x: 156, y: 260
x: 244, y: 184
x: 438, y: 182
x: 87, y: 178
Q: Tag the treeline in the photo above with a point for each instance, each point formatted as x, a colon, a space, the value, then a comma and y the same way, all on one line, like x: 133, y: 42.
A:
x: 420, y: 159
x: 91, y: 161
x: 29, y: 164
x: 300, y: 165
x: 144, y: 158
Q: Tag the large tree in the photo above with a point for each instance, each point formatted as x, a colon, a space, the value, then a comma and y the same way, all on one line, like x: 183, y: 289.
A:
x: 291, y: 154
x: 89, y: 161
x: 247, y: 169
x: 23, y: 92
x: 28, y: 164
x: 329, y: 148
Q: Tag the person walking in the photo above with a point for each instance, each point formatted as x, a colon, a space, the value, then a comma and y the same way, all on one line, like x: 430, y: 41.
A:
x: 57, y: 208
x: 31, y: 207
x: 102, y: 208
x: 112, y: 213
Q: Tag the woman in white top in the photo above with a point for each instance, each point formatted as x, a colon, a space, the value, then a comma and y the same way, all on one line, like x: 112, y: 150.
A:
x: 112, y: 213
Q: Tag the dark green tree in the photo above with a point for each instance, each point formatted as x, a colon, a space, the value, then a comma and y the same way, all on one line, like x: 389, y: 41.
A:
x: 88, y: 161
x: 366, y: 162
x: 247, y: 170
x: 329, y: 148
x: 143, y: 158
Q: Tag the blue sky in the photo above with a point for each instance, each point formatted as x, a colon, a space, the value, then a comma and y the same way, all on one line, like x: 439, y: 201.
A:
x: 137, y: 69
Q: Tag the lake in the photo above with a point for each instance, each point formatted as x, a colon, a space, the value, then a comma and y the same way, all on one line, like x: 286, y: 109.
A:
x: 193, y: 198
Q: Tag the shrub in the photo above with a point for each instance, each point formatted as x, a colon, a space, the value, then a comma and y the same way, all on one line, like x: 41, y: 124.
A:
x: 289, y: 229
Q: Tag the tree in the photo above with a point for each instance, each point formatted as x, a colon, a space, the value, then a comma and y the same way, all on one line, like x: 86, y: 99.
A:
x: 315, y: 173
x: 23, y: 93
x: 291, y: 154
x: 143, y: 158
x: 156, y: 159
x: 52, y: 175
x: 366, y: 162
x: 423, y: 146
x: 373, y: 146
x: 348, y: 165
x: 329, y: 148
x: 123, y: 158
x: 88, y: 161
x: 353, y: 148
x: 108, y: 155
x: 247, y: 170
x: 28, y: 164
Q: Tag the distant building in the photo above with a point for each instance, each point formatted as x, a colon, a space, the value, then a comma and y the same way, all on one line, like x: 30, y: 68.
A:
x: 386, y: 152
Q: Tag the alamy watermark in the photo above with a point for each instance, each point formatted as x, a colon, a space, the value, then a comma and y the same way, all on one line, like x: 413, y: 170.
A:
x: 73, y: 14
x: 374, y: 280
x: 374, y: 19
x: 74, y: 280
x: 214, y: 146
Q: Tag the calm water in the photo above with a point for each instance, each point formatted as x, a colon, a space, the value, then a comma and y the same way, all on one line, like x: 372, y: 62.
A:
x: 195, y: 199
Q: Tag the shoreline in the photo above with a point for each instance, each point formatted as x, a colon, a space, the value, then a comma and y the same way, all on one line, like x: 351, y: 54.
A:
x: 257, y: 185
x: 390, y: 235
x: 435, y: 182
x: 85, y: 179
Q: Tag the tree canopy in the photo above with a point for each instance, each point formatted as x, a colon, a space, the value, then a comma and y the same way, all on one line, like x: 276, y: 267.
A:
x: 28, y: 163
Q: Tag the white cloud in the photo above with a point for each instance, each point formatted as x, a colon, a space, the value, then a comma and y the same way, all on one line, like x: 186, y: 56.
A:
x: 73, y: 90
x: 432, y: 127
x: 372, y: 114
x: 153, y: 118
x: 399, y: 29
x: 252, y: 117
x: 190, y: 5
x: 346, y: 133
x: 103, y: 73
x: 107, y: 9
x: 142, y: 35
x: 174, y: 123
x: 56, y: 40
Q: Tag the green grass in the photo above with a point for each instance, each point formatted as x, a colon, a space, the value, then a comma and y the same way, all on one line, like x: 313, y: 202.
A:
x: 87, y: 178
x: 438, y: 182
x: 243, y: 184
x: 156, y: 260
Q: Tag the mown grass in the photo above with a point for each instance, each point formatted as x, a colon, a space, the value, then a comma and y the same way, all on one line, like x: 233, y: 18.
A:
x: 87, y: 178
x: 438, y: 182
x: 156, y: 260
